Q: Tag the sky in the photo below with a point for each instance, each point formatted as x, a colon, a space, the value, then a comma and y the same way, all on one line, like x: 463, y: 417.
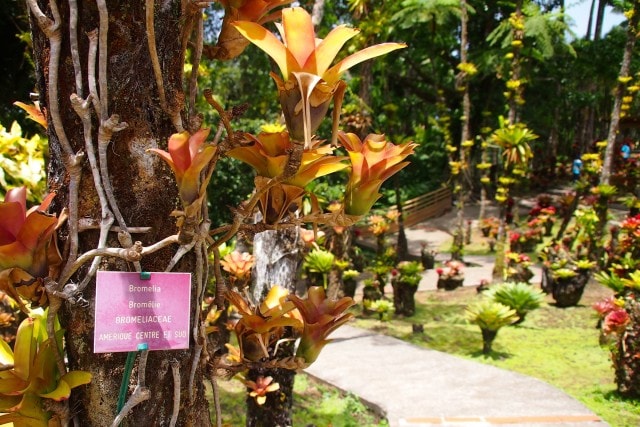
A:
x: 579, y: 11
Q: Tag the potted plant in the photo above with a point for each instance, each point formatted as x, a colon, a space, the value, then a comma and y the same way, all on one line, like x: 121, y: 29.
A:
x: 427, y: 256
x: 548, y: 217
x: 349, y: 278
x: 489, y: 226
x: 382, y: 266
x: 380, y: 225
x: 451, y: 275
x: 490, y: 316
x: 405, y: 279
x: 564, y: 276
x: 517, y: 267
x: 524, y: 241
x: 545, y: 212
x: 370, y: 293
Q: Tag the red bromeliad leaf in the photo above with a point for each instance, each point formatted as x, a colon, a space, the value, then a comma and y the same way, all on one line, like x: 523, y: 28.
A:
x: 28, y: 250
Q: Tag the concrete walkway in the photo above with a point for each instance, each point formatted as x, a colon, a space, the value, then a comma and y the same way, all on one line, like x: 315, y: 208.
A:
x: 417, y: 387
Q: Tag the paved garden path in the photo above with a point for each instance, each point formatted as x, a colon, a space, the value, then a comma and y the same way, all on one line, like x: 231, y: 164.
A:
x: 417, y: 387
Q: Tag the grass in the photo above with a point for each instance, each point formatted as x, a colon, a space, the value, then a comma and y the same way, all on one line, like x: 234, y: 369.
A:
x: 314, y: 404
x: 559, y: 346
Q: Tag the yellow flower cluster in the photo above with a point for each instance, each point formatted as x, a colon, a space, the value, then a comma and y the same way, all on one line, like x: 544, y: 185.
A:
x: 468, y: 68
x: 22, y: 162
x: 516, y: 21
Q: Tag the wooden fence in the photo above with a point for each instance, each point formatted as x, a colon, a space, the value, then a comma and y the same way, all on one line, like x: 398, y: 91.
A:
x: 421, y: 208
x: 430, y: 205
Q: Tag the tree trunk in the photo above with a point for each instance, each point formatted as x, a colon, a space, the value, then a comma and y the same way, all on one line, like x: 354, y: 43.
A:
x: 488, y: 336
x: 463, y: 83
x: 516, y: 69
x: 625, y: 360
x: 617, y: 103
x: 317, y: 13
x: 597, y: 35
x: 590, y: 22
x: 402, y: 245
x: 338, y: 242
x: 277, y: 259
x: 144, y: 188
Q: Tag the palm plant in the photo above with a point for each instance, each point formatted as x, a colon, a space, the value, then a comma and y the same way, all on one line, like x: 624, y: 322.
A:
x: 514, y: 141
x: 490, y: 316
x: 383, y: 307
x: 519, y: 296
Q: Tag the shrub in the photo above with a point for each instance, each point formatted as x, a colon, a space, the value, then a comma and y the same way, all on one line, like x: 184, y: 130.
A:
x: 519, y: 296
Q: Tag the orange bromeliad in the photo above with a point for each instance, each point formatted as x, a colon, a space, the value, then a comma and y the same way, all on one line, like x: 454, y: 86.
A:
x: 309, y: 82
x: 373, y: 161
x: 188, y: 156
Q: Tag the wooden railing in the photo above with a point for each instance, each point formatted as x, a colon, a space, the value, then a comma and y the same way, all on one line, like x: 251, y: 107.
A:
x: 419, y: 209
x: 427, y: 206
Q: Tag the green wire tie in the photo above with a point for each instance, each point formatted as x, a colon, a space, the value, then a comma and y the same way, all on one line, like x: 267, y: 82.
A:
x: 131, y: 357
x: 128, y: 367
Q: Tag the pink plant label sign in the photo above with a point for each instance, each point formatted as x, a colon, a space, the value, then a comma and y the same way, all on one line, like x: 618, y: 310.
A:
x: 131, y: 310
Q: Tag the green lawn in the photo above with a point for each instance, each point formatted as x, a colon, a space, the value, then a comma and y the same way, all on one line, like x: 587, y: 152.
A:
x: 559, y: 346
x: 314, y: 404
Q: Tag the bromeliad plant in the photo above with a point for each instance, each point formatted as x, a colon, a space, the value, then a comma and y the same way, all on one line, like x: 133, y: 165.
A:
x: 33, y: 378
x: 405, y: 280
x: 564, y: 275
x: 380, y: 225
x: 620, y: 314
x: 190, y: 159
x: 22, y: 162
x: 518, y: 267
x: 28, y: 250
x: 285, y: 162
x: 261, y: 329
x: 450, y: 275
x: 308, y: 82
x: 230, y: 43
x: 373, y: 161
x: 238, y: 265
x: 269, y: 154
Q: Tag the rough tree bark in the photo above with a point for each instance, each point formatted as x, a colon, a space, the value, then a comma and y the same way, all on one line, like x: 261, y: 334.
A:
x: 632, y: 30
x: 465, y: 135
x: 278, y: 256
x: 143, y: 187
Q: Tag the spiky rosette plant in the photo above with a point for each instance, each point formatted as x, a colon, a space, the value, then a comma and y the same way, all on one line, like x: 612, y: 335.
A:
x: 490, y: 316
x: 519, y: 296
x: 319, y: 261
